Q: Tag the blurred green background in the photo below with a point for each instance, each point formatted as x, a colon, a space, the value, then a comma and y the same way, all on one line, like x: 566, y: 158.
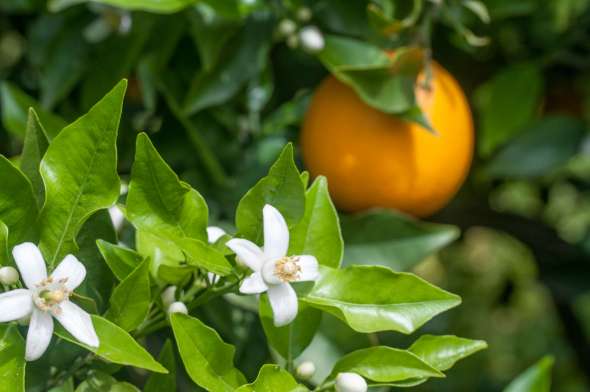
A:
x: 220, y: 91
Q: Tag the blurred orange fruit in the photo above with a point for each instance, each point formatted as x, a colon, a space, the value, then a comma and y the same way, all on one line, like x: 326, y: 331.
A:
x: 375, y: 159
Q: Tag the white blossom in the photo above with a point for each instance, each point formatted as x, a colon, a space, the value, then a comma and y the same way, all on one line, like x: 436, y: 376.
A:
x: 168, y: 296
x: 306, y: 370
x: 350, y: 382
x: 8, y: 275
x: 214, y: 233
x: 312, y: 39
x: 273, y: 269
x: 177, y: 307
x: 46, y: 297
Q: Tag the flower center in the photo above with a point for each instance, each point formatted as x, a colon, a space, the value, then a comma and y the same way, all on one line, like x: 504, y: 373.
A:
x: 49, y: 293
x: 287, y: 269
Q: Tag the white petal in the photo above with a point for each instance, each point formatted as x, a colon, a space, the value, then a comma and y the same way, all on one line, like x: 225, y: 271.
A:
x: 212, y: 278
x: 117, y: 217
x: 309, y: 268
x: 276, y: 233
x: 248, y: 252
x: 283, y: 301
x: 30, y: 263
x: 72, y: 270
x: 15, y: 305
x: 39, y: 335
x: 77, y: 322
x: 214, y: 233
x: 253, y: 284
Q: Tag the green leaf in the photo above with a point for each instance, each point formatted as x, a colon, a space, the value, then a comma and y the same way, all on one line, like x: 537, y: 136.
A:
x: 4, y: 249
x: 442, y: 352
x: 545, y: 145
x: 201, y: 254
x: 15, y: 105
x: 164, y: 382
x: 537, y: 378
x: 160, y: 251
x: 130, y: 301
x: 388, y: 238
x: 507, y: 103
x: 18, y: 206
x: 374, y: 298
x: 273, y: 378
x: 384, y: 365
x: 318, y: 232
x: 35, y: 145
x: 215, y: 87
x: 101, y: 382
x: 122, y: 261
x: 385, y: 82
x: 292, y: 339
x: 12, y: 359
x: 157, y: 6
x: 80, y: 174
x: 116, y: 346
x: 207, y: 359
x: 282, y: 188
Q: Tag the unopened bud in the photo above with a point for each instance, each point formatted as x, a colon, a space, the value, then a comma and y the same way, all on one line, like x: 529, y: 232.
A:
x: 312, y: 39
x: 306, y: 370
x: 168, y: 296
x: 350, y: 382
x: 287, y: 27
x: 8, y: 275
x: 304, y: 14
x: 214, y: 233
x: 177, y: 307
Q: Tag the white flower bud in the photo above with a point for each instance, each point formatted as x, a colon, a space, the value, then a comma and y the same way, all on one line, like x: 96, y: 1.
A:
x: 350, y: 382
x: 293, y: 41
x: 117, y: 217
x: 8, y: 275
x: 304, y: 14
x: 312, y: 39
x: 214, y: 233
x: 177, y: 307
x: 168, y: 296
x: 306, y: 370
x: 287, y: 27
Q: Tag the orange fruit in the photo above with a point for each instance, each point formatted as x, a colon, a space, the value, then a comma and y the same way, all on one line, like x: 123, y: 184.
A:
x: 375, y: 159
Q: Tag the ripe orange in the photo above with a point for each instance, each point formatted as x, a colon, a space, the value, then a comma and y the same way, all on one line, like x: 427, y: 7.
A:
x: 374, y: 159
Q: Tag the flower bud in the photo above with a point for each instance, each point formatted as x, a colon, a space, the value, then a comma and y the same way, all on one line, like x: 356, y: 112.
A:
x: 214, y: 233
x: 306, y: 370
x: 287, y: 27
x: 168, y: 296
x: 312, y: 39
x: 177, y: 307
x: 350, y: 382
x: 304, y: 14
x: 117, y: 217
x: 8, y: 275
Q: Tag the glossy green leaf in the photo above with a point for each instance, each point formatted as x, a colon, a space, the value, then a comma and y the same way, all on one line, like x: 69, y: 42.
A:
x: 442, y: 352
x: 507, y: 103
x: 130, y: 301
x: 201, y: 254
x: 15, y: 106
x: 273, y: 378
x: 386, y: 82
x: 18, y: 206
x: 116, y: 346
x: 35, y: 145
x: 282, y: 188
x: 4, y: 249
x: 391, y: 239
x: 159, y: 250
x: 101, y: 382
x: 375, y: 298
x: 318, y: 231
x: 290, y: 341
x: 79, y: 171
x: 207, y: 359
x: 121, y: 260
x: 164, y: 382
x: 158, y: 6
x: 12, y: 359
x: 385, y: 365
x: 545, y: 145
x: 537, y: 378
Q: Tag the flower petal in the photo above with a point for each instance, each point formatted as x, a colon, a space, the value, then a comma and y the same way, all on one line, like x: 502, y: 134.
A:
x: 214, y: 233
x: 72, y: 270
x: 77, y: 322
x: 39, y: 335
x: 276, y: 233
x: 309, y: 268
x: 283, y: 301
x: 30, y: 263
x: 253, y: 284
x: 15, y: 305
x: 248, y: 252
